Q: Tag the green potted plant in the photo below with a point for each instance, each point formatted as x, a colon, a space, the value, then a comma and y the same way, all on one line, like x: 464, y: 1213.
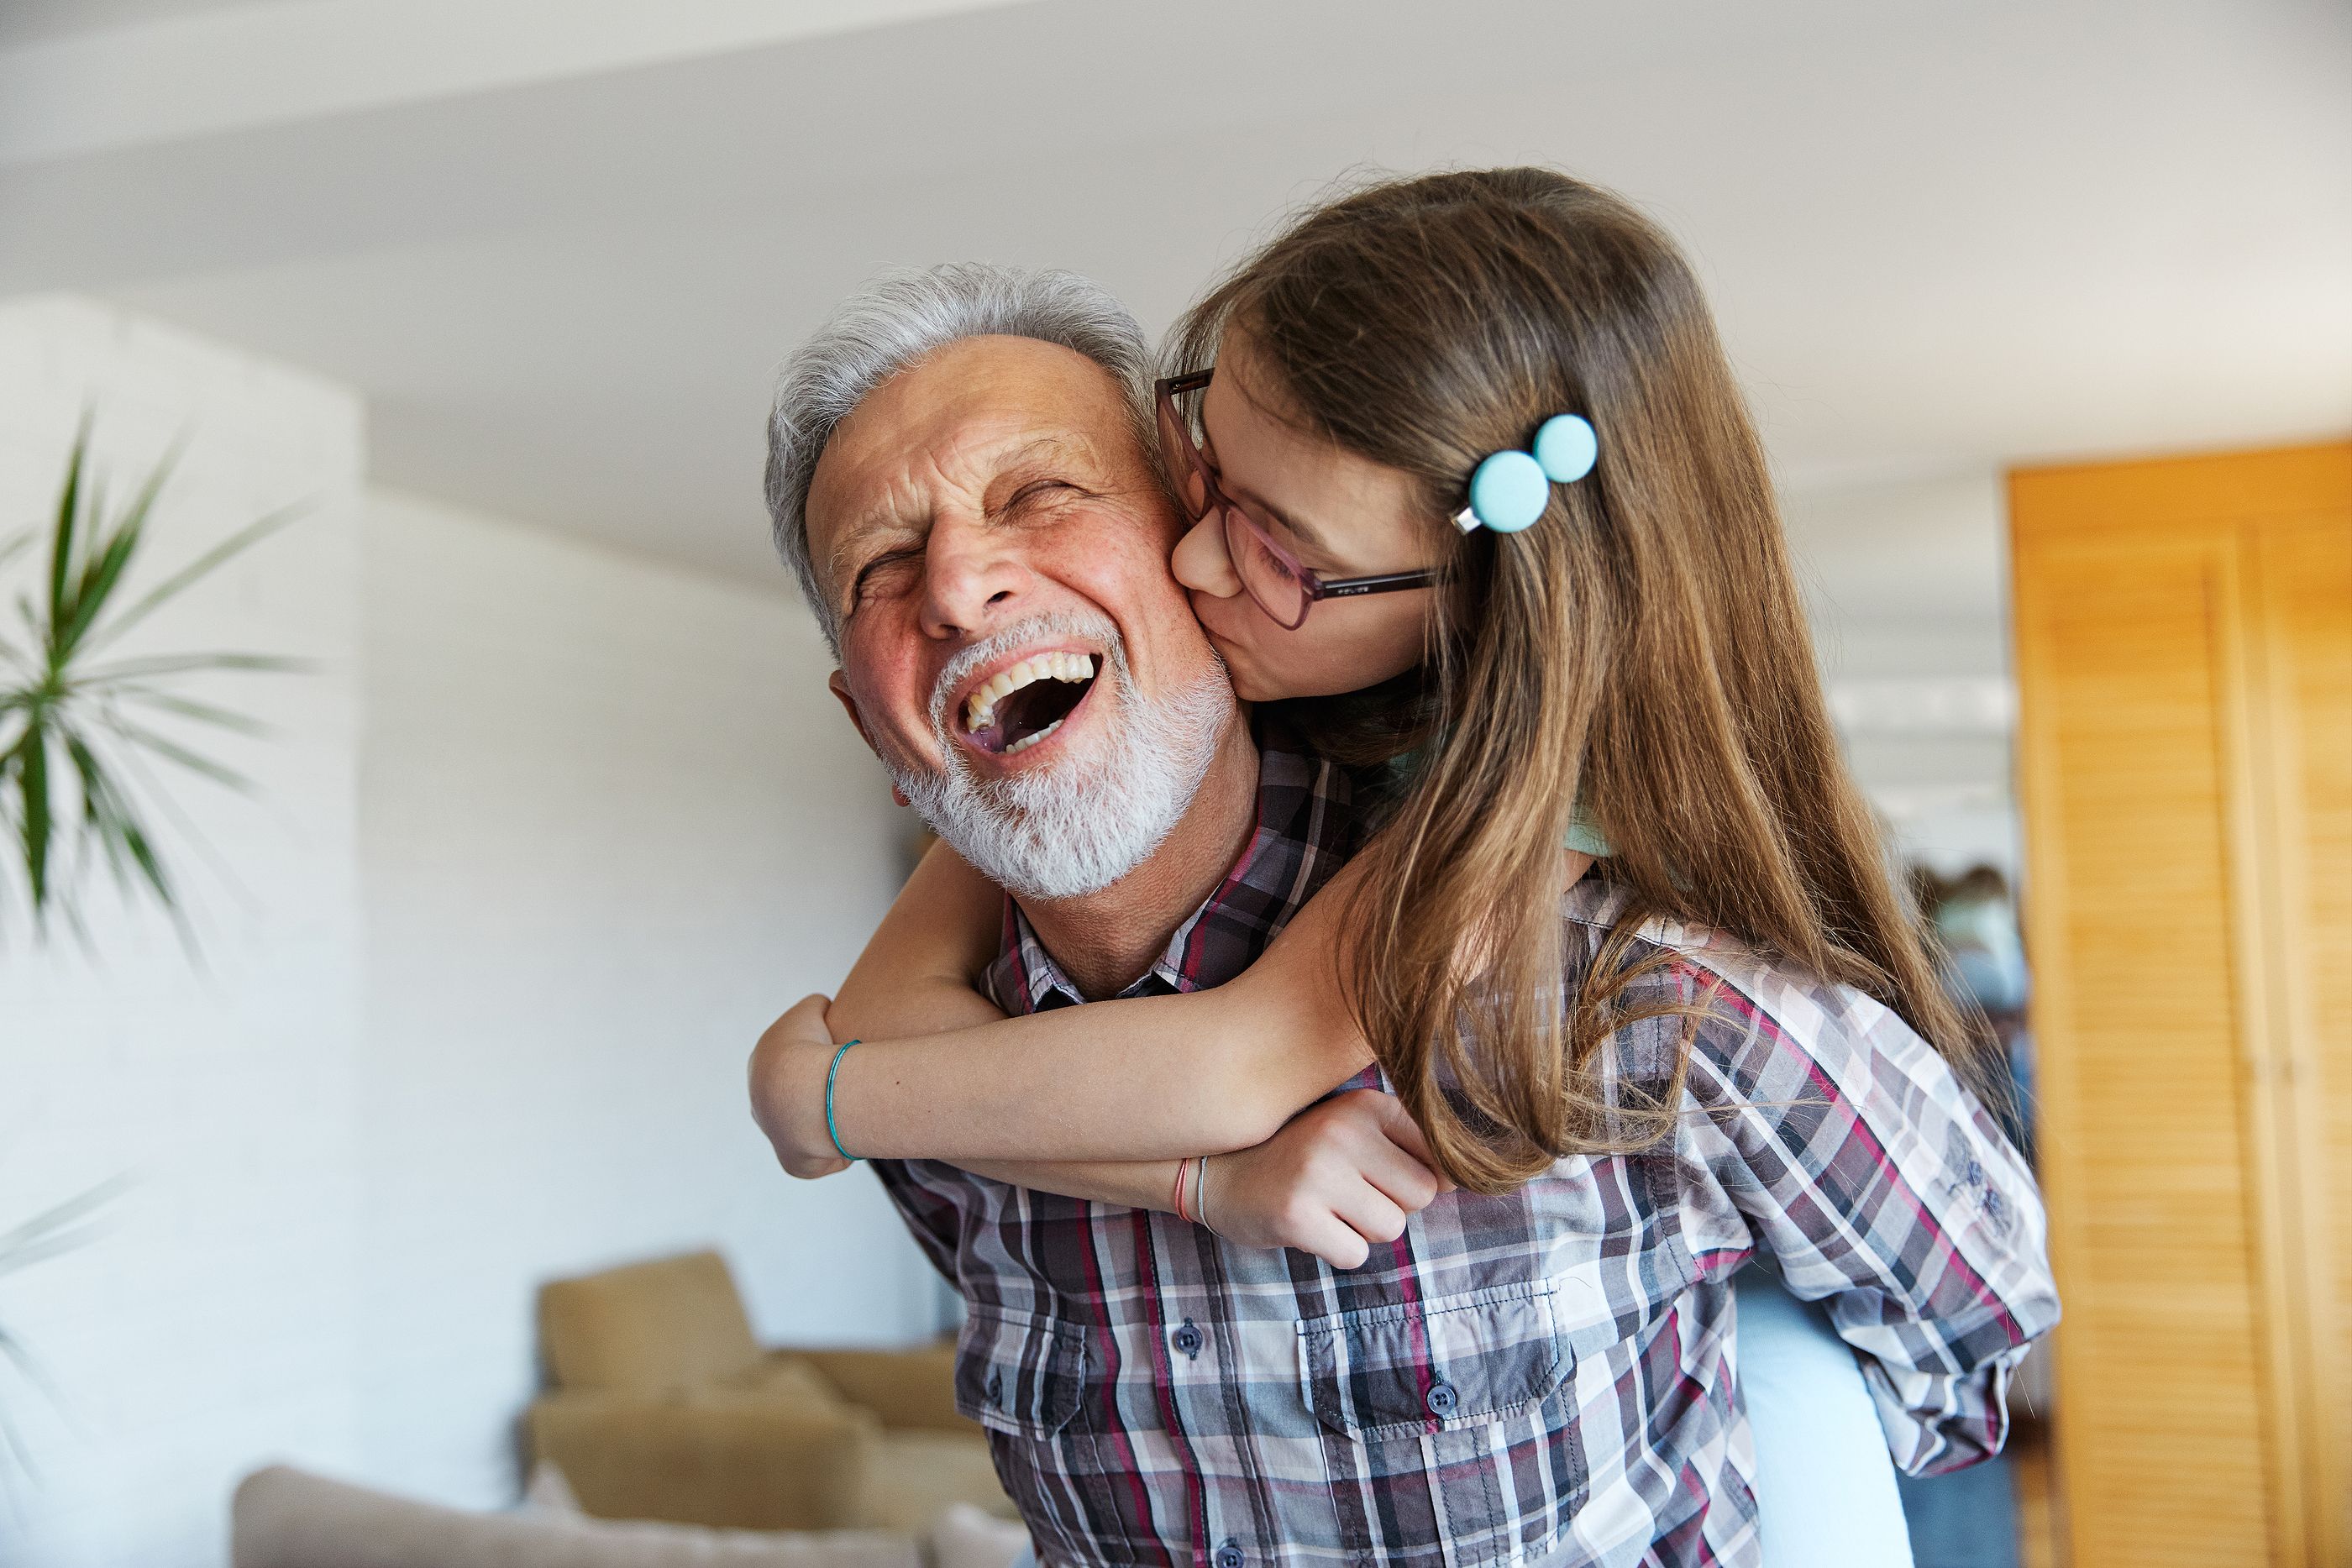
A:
x: 75, y: 719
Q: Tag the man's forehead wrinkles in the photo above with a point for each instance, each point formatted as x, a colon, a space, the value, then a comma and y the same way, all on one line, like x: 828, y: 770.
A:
x: 1051, y: 444
x: 972, y: 458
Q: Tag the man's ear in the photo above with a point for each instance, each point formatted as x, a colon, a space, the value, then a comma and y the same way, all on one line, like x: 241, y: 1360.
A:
x: 840, y: 688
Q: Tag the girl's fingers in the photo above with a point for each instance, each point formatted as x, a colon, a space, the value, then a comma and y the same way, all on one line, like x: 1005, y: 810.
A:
x: 1401, y: 1130
x: 1403, y: 1182
x: 1344, y: 1249
x: 1331, y: 1239
x: 1373, y: 1216
x: 1399, y: 1177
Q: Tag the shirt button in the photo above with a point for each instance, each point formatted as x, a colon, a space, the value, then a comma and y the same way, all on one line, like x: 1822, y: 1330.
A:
x: 1188, y: 1340
x: 1229, y: 1556
x: 1442, y: 1399
x: 996, y: 1389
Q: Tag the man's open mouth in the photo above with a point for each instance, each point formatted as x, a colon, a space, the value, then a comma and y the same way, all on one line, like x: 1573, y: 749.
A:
x: 1023, y: 704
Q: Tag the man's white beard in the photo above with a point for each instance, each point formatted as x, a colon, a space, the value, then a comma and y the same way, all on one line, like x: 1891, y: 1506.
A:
x: 1078, y: 826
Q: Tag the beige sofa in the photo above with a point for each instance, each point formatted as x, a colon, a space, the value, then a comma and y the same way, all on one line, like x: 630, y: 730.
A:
x: 663, y: 1406
x: 283, y: 1518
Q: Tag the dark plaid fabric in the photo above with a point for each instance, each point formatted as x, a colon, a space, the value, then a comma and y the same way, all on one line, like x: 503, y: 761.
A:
x: 1545, y: 1377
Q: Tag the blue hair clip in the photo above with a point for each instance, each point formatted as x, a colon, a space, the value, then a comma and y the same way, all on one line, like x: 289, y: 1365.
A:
x: 1510, y: 490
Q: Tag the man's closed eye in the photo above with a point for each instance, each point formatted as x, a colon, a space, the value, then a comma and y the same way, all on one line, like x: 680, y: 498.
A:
x: 1040, y: 493
x: 884, y: 576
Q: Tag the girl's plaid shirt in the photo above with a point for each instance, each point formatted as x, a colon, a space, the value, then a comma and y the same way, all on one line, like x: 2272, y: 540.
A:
x: 1544, y: 1377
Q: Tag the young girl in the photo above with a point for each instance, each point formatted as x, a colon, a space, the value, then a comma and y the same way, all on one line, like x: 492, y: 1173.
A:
x: 1478, y: 509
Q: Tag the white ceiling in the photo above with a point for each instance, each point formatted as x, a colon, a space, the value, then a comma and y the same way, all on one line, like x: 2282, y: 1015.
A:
x: 561, y: 261
x: 33, y: 21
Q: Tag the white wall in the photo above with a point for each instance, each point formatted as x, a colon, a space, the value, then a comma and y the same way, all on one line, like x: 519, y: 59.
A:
x: 545, y: 837
x: 215, y: 1319
x: 611, y: 824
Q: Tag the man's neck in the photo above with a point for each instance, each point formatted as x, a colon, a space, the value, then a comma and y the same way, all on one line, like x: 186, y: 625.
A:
x: 1105, y: 941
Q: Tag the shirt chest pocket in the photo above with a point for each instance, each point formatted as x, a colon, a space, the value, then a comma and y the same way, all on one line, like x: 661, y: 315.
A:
x: 1020, y: 1373
x: 1451, y: 1413
x: 1435, y: 1366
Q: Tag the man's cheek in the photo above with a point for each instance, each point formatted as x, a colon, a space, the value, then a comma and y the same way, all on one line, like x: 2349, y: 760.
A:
x: 1134, y: 538
x: 880, y: 718
x: 902, y: 734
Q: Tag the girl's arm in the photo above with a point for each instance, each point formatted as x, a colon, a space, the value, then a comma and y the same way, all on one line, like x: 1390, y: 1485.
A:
x: 1344, y: 1175
x: 1145, y: 1078
x: 1141, y: 1079
x: 921, y: 970
x: 1340, y: 1176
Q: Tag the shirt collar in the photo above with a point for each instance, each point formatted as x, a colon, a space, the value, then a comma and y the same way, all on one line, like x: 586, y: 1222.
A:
x: 1034, y: 968
x: 1304, y: 831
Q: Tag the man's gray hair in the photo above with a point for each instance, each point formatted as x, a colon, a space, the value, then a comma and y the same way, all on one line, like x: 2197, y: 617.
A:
x: 895, y: 321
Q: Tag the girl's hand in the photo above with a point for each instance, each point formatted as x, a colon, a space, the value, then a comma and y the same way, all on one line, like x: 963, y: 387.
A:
x: 1343, y: 1175
x: 788, y: 1069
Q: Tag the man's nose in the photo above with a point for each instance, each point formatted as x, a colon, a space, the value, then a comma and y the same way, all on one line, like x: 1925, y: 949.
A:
x: 973, y: 578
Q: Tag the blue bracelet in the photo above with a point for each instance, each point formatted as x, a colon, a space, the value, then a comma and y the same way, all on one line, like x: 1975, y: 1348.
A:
x: 830, y: 1129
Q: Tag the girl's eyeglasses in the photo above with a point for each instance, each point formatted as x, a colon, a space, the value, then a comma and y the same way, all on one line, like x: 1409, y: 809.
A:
x: 1285, y: 590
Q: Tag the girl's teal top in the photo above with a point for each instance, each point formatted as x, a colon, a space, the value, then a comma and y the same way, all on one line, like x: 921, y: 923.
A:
x: 1583, y: 833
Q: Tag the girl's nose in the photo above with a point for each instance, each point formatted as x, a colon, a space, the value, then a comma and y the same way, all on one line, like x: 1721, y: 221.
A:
x: 1201, y: 562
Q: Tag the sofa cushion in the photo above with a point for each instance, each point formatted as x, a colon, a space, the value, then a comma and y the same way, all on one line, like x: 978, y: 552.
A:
x: 789, y: 1379
x: 282, y: 1518
x: 674, y: 1323
x: 715, y: 1456
x: 912, y: 1387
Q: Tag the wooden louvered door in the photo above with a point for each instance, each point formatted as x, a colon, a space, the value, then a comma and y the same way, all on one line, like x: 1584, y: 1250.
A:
x: 2184, y: 656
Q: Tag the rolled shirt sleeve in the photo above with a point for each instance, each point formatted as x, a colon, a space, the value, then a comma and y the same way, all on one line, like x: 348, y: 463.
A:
x: 1881, y: 1187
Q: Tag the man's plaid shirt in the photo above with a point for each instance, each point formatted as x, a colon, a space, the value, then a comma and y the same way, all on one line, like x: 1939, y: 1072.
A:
x: 1546, y: 1377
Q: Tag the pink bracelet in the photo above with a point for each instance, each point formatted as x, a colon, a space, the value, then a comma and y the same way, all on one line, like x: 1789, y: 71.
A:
x: 1179, y: 1195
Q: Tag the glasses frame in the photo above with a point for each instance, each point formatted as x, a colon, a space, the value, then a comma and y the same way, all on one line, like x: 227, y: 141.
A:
x: 1176, y: 432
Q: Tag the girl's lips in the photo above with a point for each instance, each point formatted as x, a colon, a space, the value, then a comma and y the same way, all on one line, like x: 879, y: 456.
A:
x: 1241, y: 663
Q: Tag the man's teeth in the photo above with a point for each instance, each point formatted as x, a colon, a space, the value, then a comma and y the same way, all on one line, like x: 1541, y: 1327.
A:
x: 1026, y: 741
x: 980, y: 708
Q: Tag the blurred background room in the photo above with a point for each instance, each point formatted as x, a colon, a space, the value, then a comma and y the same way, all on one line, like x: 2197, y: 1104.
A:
x: 462, y: 795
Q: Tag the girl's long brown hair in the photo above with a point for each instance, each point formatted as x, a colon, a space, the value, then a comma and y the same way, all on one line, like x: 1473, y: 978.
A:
x: 1641, y: 650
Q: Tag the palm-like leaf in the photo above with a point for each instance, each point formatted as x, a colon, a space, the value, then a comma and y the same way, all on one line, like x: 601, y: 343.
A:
x: 73, y: 729
x: 58, y: 1229
x: 45, y: 1236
